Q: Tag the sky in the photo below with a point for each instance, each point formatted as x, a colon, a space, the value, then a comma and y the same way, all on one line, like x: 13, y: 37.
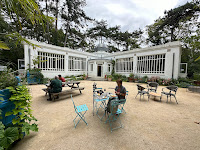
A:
x: 129, y: 14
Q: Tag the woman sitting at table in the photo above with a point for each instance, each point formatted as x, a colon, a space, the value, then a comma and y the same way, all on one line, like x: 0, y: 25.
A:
x: 120, y: 91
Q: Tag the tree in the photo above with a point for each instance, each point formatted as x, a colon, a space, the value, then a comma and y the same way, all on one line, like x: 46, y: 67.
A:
x: 14, y: 8
x: 169, y: 27
x: 74, y: 16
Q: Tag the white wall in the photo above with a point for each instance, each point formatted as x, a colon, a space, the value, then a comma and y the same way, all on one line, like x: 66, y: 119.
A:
x: 104, y: 58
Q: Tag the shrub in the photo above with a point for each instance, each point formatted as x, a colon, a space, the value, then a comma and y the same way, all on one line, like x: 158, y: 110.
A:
x: 124, y: 78
x: 131, y: 75
x: 7, y: 79
x: 196, y: 76
x: 36, y: 73
x: 183, y: 84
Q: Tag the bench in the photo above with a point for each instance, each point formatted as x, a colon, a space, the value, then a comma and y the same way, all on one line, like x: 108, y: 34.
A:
x: 64, y: 92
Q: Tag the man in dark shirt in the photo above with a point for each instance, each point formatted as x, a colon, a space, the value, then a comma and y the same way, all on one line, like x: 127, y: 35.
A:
x: 55, y: 87
x: 120, y: 90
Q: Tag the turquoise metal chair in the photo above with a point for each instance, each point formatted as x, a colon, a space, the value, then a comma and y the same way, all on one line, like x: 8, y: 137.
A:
x: 94, y: 97
x: 122, y: 108
x: 114, y: 115
x: 98, y: 99
x: 80, y: 110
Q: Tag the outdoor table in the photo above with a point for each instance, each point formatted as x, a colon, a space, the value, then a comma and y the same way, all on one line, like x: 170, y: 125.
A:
x: 102, y: 99
x: 72, y: 83
x: 155, y: 95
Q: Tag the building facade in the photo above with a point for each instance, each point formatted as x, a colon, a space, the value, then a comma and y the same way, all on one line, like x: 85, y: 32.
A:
x: 163, y: 61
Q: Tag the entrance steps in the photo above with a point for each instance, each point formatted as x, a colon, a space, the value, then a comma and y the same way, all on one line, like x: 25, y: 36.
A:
x: 96, y: 79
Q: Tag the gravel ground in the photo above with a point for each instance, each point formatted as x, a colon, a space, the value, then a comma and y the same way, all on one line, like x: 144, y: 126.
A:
x: 146, y: 125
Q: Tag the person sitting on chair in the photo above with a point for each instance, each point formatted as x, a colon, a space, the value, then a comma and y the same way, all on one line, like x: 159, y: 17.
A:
x: 55, y: 87
x: 17, y: 78
x: 120, y: 90
x: 61, y: 79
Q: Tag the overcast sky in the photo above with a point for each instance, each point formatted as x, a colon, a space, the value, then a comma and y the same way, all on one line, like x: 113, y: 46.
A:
x: 130, y: 14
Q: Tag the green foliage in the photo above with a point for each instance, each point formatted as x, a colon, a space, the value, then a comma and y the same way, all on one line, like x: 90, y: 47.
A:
x: 113, y: 67
x: 183, y: 84
x: 110, y: 76
x: 24, y: 119
x: 7, y: 136
x: 197, y: 76
x: 119, y: 76
x: 7, y: 79
x: 131, y: 75
x: 36, y: 73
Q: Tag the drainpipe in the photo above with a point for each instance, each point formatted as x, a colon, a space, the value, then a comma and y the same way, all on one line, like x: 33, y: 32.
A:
x: 173, y: 66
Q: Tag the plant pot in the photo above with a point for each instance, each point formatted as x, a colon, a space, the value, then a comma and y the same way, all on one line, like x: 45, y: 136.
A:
x: 109, y: 79
x: 85, y: 78
x: 130, y: 79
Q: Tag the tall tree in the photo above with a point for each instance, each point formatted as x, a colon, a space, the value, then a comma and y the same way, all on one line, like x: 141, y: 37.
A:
x: 74, y: 16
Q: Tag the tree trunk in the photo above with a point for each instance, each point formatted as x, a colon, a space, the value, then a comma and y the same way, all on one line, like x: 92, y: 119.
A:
x: 47, y: 11
x: 56, y: 15
x: 67, y: 29
x: 172, y: 34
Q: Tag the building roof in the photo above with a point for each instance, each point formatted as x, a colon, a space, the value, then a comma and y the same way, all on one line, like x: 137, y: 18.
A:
x: 101, y: 47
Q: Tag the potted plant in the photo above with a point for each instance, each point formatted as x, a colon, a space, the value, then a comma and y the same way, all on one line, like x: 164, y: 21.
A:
x: 131, y: 77
x: 110, y: 78
x: 136, y: 78
x: 84, y: 77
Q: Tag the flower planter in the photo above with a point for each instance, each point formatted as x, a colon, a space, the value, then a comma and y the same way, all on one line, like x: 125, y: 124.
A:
x: 6, y: 106
x: 109, y: 79
x: 130, y: 79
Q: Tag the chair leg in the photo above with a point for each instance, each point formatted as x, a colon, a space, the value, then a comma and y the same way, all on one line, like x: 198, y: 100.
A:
x: 140, y: 97
x: 136, y: 95
x: 167, y: 98
x: 176, y: 99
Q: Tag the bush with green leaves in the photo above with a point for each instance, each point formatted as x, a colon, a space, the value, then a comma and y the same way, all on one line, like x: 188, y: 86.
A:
x: 7, y: 136
x: 36, y: 73
x: 196, y: 76
x: 183, y: 84
x: 24, y: 119
x: 7, y: 79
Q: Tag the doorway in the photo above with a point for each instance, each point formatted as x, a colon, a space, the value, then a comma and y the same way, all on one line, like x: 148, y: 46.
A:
x: 99, y: 68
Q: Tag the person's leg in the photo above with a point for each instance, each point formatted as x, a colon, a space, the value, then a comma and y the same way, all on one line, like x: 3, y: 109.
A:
x: 49, y: 91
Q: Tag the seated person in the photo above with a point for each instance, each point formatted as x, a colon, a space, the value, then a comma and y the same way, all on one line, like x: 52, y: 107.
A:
x: 55, y: 87
x: 18, y: 80
x: 120, y: 90
x: 61, y: 79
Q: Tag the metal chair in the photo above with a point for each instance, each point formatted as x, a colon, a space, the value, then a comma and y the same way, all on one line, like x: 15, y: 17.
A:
x: 171, y: 92
x: 101, y: 98
x: 152, y: 86
x: 114, y: 115
x: 122, y: 108
x: 80, y: 110
x: 142, y: 91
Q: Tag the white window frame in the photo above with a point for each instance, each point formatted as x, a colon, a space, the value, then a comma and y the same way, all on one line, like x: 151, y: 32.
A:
x: 151, y: 64
x: 52, y: 62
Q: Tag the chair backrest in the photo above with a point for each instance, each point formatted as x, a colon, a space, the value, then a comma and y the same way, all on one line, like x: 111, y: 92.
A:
x: 140, y: 88
x: 172, y: 88
x: 115, y: 103
x: 73, y: 102
x: 152, y: 86
x: 126, y: 95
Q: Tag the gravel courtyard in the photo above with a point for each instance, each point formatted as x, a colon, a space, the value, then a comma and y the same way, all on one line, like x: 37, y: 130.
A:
x: 146, y: 125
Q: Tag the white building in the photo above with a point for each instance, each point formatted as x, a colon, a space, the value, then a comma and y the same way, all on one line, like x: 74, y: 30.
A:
x: 163, y: 61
